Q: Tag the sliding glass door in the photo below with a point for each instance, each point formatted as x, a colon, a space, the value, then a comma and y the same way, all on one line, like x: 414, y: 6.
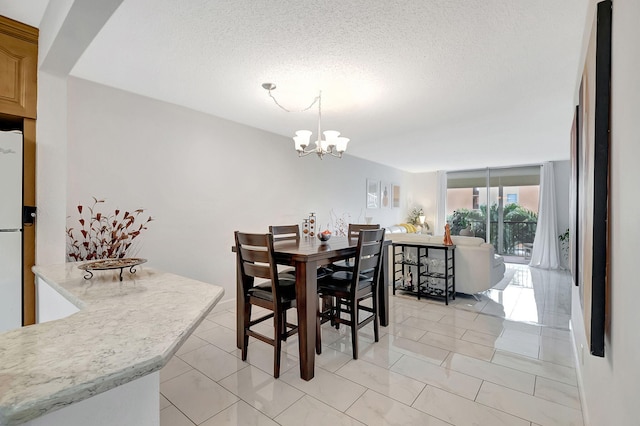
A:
x: 499, y: 205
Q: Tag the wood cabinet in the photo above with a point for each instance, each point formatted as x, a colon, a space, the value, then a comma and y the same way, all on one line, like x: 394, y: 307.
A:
x: 18, y: 107
x: 18, y: 68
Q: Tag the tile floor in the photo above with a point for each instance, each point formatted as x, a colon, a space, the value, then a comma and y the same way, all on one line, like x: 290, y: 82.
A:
x: 504, y: 358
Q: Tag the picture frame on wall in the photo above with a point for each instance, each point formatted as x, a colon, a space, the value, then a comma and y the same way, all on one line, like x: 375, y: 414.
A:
x: 373, y: 194
x: 385, y: 195
x: 590, y: 181
x: 395, y: 196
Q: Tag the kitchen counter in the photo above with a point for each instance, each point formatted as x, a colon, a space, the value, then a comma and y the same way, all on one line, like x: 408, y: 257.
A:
x: 122, y: 332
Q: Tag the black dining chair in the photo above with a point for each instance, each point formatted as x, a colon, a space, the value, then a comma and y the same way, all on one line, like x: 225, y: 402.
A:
x: 285, y: 233
x: 351, y: 288
x: 277, y: 294
x: 292, y: 233
x: 353, y: 231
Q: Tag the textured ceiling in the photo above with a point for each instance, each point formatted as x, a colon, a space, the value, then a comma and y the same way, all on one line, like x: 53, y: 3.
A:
x: 26, y: 11
x: 418, y: 85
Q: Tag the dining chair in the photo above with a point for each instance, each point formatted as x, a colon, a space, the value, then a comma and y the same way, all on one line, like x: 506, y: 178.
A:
x: 353, y: 232
x: 255, y: 258
x: 351, y: 288
x: 291, y: 233
x: 285, y: 233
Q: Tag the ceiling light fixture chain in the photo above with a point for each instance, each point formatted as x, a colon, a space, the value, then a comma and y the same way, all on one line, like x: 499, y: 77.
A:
x: 333, y: 144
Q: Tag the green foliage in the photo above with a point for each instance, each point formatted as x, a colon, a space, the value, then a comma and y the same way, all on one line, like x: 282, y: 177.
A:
x: 564, y: 237
x: 414, y: 216
x: 520, y: 224
x: 564, y: 244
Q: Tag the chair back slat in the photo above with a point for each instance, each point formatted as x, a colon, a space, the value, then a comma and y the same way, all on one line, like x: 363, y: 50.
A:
x: 255, y: 254
x: 353, y: 231
x: 256, y: 259
x: 368, y: 257
x: 367, y: 263
x: 257, y: 271
x: 285, y: 232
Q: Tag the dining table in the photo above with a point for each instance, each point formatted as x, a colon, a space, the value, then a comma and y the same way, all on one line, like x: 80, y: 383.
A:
x: 307, y: 255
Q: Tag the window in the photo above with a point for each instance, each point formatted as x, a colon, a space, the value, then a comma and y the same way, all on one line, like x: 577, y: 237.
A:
x: 499, y: 205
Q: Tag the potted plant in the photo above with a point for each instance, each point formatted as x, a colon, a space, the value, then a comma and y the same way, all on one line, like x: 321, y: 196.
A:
x: 417, y: 218
x: 564, y: 246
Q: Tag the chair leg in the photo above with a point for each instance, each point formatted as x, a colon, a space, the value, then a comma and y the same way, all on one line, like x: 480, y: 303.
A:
x: 336, y: 313
x: 277, y: 344
x: 354, y: 327
x: 318, y: 331
x: 283, y: 328
x: 326, y: 304
x: 375, y: 319
x: 247, y: 320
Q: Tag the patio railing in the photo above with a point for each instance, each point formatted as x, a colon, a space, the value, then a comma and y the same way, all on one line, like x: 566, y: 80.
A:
x: 514, y: 235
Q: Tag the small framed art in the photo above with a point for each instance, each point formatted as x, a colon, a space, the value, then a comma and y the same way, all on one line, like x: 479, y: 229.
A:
x: 373, y: 194
x: 395, y: 197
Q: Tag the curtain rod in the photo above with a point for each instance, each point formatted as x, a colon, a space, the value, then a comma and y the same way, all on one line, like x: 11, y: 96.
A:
x: 494, y: 168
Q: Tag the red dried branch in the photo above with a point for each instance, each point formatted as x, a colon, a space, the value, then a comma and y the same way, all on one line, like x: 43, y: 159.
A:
x: 103, y: 235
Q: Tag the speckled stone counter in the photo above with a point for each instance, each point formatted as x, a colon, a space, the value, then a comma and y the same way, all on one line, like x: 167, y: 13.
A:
x: 123, y: 331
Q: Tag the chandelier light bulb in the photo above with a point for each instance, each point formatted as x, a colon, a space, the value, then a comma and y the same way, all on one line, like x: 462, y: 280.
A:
x: 301, y: 140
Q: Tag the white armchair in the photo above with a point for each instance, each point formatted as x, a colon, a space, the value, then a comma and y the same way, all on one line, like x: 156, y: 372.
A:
x: 478, y: 268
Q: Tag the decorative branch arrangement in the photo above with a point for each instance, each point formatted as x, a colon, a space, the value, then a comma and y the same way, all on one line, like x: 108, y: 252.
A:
x: 339, y: 224
x: 104, y: 236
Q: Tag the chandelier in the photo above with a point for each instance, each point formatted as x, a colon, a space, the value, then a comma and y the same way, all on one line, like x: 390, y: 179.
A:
x: 333, y: 144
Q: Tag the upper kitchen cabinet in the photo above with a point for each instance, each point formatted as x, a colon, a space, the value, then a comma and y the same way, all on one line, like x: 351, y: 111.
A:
x: 18, y: 68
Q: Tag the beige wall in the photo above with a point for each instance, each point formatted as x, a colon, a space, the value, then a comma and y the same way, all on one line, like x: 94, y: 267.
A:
x: 528, y: 196
x: 459, y: 198
x: 209, y: 184
x: 610, y: 385
x: 462, y: 198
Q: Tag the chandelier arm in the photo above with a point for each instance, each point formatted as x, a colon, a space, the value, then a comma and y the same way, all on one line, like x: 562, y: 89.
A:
x: 337, y: 155
x: 304, y: 152
x: 288, y: 110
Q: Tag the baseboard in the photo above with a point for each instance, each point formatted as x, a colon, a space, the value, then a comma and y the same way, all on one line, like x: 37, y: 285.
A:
x: 225, y: 305
x: 578, y: 362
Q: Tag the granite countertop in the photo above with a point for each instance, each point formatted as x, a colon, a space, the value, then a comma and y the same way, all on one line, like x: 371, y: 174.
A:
x: 123, y: 331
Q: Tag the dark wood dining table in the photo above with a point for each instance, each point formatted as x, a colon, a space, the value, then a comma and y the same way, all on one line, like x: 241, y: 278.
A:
x: 307, y: 255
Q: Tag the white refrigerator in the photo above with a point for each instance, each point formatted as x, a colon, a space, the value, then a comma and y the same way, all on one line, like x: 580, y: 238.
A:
x: 10, y: 230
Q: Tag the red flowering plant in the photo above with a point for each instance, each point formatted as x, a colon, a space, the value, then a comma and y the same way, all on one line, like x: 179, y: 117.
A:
x: 104, y: 235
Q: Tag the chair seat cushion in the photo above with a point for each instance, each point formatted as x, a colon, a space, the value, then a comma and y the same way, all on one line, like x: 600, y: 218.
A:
x: 287, y: 274
x: 341, y: 281
x: 290, y: 274
x: 346, y: 265
x: 343, y: 264
x: 263, y: 290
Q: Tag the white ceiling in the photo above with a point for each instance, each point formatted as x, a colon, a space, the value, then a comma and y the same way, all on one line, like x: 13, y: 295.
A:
x: 419, y: 85
x: 26, y: 11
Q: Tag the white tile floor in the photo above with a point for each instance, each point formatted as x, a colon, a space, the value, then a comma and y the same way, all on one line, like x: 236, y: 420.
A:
x: 505, y: 359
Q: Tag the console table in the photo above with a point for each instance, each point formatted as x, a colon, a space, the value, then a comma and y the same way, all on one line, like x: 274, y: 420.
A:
x: 419, y: 270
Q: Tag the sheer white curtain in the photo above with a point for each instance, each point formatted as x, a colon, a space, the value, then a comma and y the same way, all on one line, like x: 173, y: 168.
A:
x: 545, y: 253
x: 441, y: 203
